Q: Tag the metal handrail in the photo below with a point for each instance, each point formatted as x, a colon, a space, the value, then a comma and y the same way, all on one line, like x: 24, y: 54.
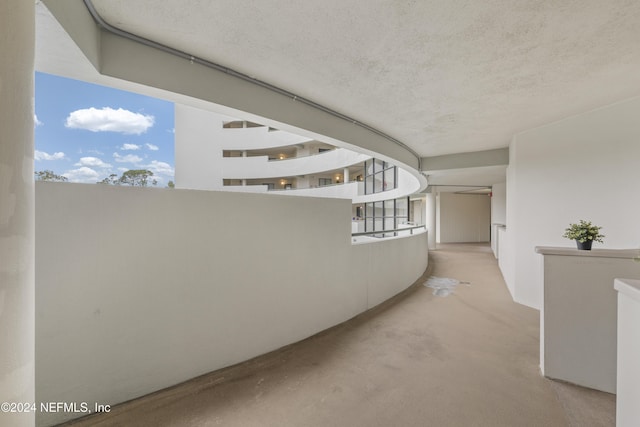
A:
x: 368, y: 233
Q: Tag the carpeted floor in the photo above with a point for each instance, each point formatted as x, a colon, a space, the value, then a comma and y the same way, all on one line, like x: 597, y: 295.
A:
x: 467, y: 359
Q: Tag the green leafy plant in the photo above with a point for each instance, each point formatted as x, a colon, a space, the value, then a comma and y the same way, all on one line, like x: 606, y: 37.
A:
x: 583, y: 231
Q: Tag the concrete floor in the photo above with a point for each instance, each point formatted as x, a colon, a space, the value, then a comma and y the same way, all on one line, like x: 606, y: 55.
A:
x: 468, y: 359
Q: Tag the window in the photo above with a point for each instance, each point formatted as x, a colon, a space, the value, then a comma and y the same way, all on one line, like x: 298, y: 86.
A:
x: 386, y: 216
x: 324, y: 181
x: 239, y: 124
x: 379, y: 176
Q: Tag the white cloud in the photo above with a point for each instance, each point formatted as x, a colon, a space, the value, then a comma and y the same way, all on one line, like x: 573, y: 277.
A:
x: 96, y: 152
x: 83, y: 174
x: 129, y: 147
x: 129, y: 158
x: 109, y: 120
x: 160, y: 168
x: 41, y: 155
x: 92, y: 161
x: 152, y: 147
x: 123, y: 169
x: 36, y: 121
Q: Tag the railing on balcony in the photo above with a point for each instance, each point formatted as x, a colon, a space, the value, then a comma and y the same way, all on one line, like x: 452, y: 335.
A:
x: 379, y: 234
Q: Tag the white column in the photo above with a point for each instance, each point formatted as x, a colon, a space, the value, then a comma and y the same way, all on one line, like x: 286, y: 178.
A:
x: 628, y: 370
x: 198, y: 153
x: 345, y: 175
x: 431, y: 218
x: 17, y: 246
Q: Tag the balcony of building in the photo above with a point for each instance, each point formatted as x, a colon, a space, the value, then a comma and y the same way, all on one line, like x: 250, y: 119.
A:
x: 429, y: 357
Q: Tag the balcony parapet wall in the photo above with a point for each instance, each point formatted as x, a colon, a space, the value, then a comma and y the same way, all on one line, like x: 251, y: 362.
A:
x: 139, y: 289
x: 257, y: 138
x: 260, y: 166
x: 576, y: 345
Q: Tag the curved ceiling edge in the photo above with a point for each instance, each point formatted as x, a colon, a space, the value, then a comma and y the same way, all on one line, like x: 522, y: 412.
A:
x: 191, y: 59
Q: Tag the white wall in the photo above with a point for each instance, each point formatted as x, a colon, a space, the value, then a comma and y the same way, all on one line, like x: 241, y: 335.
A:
x: 261, y: 167
x: 254, y: 138
x: 579, y: 314
x: 343, y: 191
x: 463, y: 218
x: 198, y: 154
x: 498, y: 212
x: 584, y: 167
x: 17, y: 41
x: 419, y: 211
x: 628, y: 375
x: 139, y: 289
x: 499, y: 203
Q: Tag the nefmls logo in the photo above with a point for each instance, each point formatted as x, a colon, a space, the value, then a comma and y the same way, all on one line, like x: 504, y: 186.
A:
x: 76, y: 407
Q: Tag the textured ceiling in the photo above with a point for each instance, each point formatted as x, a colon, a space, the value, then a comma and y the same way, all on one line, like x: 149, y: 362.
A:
x: 443, y: 77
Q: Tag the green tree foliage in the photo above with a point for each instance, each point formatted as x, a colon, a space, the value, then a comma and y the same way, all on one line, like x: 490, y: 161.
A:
x: 170, y: 184
x: 135, y: 178
x: 47, y: 175
x: 111, y: 180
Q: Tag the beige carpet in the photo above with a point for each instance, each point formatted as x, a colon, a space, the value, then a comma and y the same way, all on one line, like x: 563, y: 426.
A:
x: 467, y: 359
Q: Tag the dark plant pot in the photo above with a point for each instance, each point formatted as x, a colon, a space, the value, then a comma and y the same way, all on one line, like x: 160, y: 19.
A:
x: 586, y: 246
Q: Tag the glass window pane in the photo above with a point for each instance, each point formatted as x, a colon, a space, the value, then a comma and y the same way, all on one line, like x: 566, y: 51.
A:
x: 402, y: 207
x: 389, y: 223
x: 379, y: 165
x: 377, y: 185
x: 368, y: 224
x: 390, y: 179
x: 369, y: 210
x: 389, y: 208
x: 379, y: 209
x: 368, y: 167
x: 368, y: 185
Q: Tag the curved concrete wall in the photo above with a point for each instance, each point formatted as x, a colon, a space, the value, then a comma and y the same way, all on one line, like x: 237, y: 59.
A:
x: 341, y: 191
x: 139, y: 289
x: 254, y: 138
x: 261, y: 167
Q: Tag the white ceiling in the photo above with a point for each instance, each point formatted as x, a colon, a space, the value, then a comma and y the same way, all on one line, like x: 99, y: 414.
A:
x: 441, y: 76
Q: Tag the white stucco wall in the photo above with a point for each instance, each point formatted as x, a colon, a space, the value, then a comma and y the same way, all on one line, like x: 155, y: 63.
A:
x: 463, y: 218
x: 343, y: 191
x: 499, y: 203
x: 261, y: 167
x: 198, y: 155
x: 139, y: 289
x: 253, y: 138
x: 17, y: 35
x: 498, y: 212
x: 628, y: 354
x: 584, y: 167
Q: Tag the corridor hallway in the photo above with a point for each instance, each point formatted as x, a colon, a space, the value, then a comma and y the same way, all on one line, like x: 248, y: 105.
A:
x: 467, y: 359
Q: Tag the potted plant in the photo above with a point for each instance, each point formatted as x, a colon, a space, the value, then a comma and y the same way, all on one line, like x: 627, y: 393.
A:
x: 584, y: 233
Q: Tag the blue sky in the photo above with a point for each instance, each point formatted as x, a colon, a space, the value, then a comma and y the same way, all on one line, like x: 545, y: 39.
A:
x: 86, y: 132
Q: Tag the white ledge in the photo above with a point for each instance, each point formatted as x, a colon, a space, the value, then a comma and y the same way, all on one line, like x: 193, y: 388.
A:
x: 598, y: 253
x: 628, y: 287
